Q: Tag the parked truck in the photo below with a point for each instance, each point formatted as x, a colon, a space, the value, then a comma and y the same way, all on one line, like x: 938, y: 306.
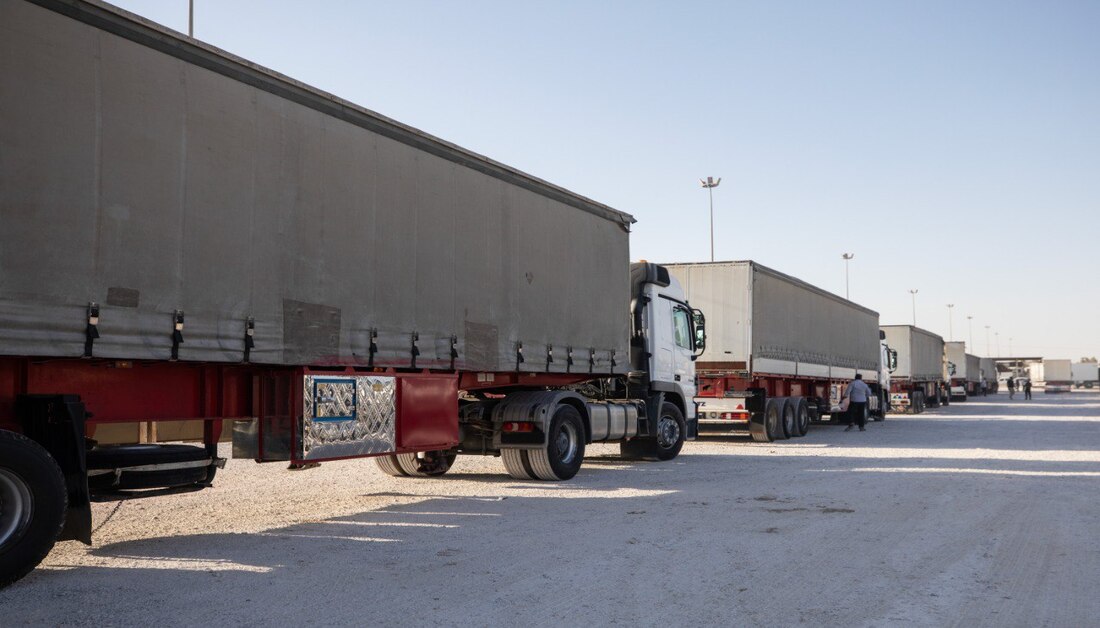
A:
x: 1057, y: 376
x: 988, y: 368
x: 1085, y: 374
x: 189, y: 236
x: 917, y: 383
x: 965, y: 371
x: 780, y: 351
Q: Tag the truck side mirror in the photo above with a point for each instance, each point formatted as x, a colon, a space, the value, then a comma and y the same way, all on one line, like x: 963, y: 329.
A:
x: 700, y: 323
x: 892, y: 361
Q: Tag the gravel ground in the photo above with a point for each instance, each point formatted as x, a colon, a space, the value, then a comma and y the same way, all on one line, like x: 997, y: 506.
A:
x: 982, y: 513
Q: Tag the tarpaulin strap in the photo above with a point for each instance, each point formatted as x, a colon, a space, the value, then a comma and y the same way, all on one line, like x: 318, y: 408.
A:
x: 415, y: 350
x: 454, y: 351
x: 519, y: 354
x: 177, y: 334
x: 249, y: 341
x: 91, y: 332
x: 373, y: 349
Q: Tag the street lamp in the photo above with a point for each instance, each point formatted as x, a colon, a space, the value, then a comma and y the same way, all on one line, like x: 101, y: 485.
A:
x: 987, y: 351
x: 847, y: 258
x: 914, y: 295
x: 970, y: 332
x: 997, y: 339
x: 190, y: 18
x: 710, y: 183
x: 950, y: 328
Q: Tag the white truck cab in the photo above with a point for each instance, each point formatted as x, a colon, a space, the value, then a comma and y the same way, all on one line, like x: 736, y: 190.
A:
x: 668, y: 336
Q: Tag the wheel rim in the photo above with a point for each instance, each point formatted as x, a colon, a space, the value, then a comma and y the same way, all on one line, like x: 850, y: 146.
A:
x: 566, y: 443
x: 668, y: 432
x: 16, y: 506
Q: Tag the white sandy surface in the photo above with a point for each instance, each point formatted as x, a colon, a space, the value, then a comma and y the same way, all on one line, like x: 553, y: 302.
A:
x: 983, y: 513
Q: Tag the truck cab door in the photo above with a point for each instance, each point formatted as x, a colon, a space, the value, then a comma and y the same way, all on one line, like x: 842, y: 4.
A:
x: 661, y: 338
x: 683, y: 350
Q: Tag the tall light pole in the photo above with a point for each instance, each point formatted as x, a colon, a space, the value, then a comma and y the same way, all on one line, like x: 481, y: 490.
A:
x: 1010, y: 346
x: 997, y: 339
x: 913, y: 293
x: 710, y: 183
x: 987, y: 351
x: 970, y: 332
x: 950, y: 327
x: 190, y: 18
x: 847, y: 258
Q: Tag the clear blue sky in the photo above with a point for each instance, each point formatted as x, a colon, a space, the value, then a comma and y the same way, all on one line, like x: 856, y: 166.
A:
x: 954, y: 147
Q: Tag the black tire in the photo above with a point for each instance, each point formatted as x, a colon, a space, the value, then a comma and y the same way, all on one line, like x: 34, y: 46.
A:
x: 388, y: 465
x: 426, y: 464
x: 790, y: 419
x: 881, y: 416
x: 802, y: 415
x: 671, y: 432
x: 773, y: 422
x: 564, y: 452
x: 33, y: 501
x: 126, y: 460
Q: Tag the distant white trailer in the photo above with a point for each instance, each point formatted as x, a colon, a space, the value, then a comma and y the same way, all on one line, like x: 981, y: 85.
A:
x: 1057, y: 376
x: 1086, y: 374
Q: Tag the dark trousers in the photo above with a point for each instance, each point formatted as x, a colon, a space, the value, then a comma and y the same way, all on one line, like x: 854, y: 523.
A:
x: 1027, y: 394
x: 857, y: 413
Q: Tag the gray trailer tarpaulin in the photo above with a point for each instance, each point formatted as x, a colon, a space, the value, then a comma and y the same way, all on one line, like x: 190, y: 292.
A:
x: 154, y: 175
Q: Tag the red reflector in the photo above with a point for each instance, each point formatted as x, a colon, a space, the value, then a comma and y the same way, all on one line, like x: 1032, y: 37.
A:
x: 515, y: 426
x: 740, y: 406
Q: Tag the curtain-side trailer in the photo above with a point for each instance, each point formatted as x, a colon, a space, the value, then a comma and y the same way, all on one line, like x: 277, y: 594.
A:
x: 1085, y: 374
x: 1057, y: 376
x: 189, y: 236
x: 989, y: 375
x: 964, y: 371
x: 917, y: 383
x: 780, y: 351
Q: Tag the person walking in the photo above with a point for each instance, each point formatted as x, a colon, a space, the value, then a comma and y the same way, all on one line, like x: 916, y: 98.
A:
x: 857, y: 394
x: 1027, y: 389
x: 1011, y: 387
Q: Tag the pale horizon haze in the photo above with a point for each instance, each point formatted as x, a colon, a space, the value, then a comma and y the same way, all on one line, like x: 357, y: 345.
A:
x: 953, y: 148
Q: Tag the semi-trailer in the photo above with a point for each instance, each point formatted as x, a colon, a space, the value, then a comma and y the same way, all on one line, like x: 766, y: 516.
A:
x: 1057, y: 376
x: 1085, y: 374
x: 965, y: 371
x: 189, y: 236
x: 780, y: 351
x: 917, y: 383
x: 988, y: 368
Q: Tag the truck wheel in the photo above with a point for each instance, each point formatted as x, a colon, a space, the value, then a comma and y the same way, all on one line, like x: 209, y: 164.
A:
x: 773, y: 422
x: 802, y: 415
x: 671, y: 430
x: 388, y: 464
x: 517, y: 464
x: 427, y: 463
x: 564, y: 451
x: 145, y: 466
x: 881, y: 415
x: 33, y: 499
x: 790, y: 418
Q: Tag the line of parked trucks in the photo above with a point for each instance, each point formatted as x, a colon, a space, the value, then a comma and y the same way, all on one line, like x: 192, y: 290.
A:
x: 191, y: 237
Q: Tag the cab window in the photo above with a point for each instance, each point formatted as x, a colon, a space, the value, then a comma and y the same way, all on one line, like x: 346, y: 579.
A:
x: 681, y: 320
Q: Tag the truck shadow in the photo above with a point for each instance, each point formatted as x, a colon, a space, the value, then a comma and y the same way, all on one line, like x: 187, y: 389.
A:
x: 422, y: 553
